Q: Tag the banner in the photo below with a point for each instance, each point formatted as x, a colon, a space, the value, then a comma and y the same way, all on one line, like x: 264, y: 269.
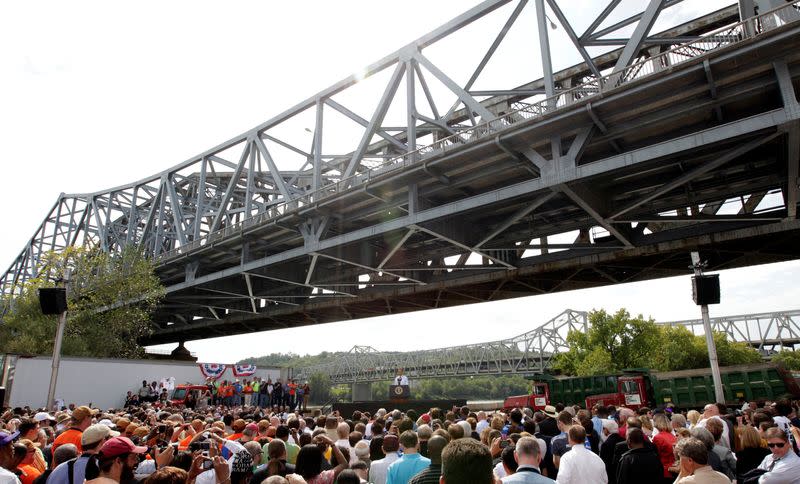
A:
x: 244, y: 370
x: 212, y: 370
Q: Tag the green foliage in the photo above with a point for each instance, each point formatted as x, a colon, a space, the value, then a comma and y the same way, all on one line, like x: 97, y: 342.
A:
x: 291, y: 360
x: 617, y: 341
x: 679, y: 349
x: 613, y: 342
x: 99, y: 322
x: 789, y: 359
x: 731, y: 352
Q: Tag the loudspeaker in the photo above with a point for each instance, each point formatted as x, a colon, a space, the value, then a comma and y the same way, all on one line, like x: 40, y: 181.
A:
x: 705, y: 289
x: 53, y: 300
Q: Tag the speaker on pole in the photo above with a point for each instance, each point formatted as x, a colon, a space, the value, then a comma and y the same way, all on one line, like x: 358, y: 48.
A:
x: 705, y: 289
x: 53, y: 300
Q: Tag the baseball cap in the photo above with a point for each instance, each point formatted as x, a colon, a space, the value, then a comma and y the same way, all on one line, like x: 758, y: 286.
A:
x: 123, y: 423
x: 81, y: 413
x: 252, y: 426
x: 6, y: 438
x: 95, y: 433
x: 108, y: 423
x: 117, y: 446
x: 42, y: 416
x: 426, y: 418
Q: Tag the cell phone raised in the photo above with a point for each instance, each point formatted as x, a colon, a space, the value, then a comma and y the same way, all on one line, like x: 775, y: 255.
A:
x: 207, y: 464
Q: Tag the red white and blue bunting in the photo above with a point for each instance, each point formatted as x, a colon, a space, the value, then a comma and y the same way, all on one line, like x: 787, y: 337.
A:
x: 212, y: 370
x: 244, y: 370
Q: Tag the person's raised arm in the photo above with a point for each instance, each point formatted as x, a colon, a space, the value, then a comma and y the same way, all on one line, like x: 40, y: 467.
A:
x: 342, y: 463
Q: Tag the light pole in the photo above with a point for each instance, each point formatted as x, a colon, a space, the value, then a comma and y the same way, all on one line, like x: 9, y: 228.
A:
x: 705, y: 291
x: 62, y: 322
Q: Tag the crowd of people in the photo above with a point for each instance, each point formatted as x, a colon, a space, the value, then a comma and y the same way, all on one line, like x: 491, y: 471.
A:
x: 256, y: 392
x: 249, y: 444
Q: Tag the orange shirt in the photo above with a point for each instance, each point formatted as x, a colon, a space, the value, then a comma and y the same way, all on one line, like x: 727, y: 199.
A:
x: 29, y: 473
x: 71, y: 436
x: 184, y: 443
x: 236, y: 436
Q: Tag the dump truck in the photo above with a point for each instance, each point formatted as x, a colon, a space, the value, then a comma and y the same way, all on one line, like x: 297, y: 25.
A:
x: 640, y: 387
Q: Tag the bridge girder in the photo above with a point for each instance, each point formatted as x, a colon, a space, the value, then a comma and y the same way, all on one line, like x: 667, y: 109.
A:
x: 603, y: 172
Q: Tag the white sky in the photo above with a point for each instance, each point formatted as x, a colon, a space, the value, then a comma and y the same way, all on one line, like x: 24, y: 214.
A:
x: 98, y: 94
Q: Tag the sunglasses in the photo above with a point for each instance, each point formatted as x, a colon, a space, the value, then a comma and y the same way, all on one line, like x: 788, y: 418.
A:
x: 778, y: 445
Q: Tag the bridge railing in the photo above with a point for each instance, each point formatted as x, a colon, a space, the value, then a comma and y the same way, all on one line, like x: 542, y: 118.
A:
x: 710, y: 42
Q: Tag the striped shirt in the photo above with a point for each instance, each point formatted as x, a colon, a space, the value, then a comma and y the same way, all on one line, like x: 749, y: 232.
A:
x: 430, y: 475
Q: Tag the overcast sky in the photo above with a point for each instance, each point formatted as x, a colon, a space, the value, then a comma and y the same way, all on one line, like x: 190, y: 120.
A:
x: 97, y: 94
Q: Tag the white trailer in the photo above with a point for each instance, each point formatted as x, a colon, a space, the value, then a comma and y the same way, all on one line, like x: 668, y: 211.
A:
x: 100, y: 382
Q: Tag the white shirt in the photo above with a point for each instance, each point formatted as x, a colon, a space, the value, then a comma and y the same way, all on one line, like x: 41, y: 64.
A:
x: 8, y: 477
x: 581, y: 466
x: 482, y: 424
x: 210, y: 476
x: 785, y: 470
x: 380, y: 468
x: 499, y: 470
x: 346, y: 444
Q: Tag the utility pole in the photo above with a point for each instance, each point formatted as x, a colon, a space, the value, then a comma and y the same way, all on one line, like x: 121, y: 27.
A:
x: 697, y: 265
x: 62, y: 322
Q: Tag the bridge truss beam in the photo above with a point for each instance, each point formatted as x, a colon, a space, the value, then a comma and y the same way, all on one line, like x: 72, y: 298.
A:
x: 603, y: 172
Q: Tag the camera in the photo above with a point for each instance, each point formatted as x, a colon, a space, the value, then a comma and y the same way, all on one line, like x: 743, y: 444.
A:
x: 194, y: 446
x: 207, y: 464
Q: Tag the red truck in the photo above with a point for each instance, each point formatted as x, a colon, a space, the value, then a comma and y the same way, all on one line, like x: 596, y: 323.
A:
x: 631, y: 392
x: 181, y: 392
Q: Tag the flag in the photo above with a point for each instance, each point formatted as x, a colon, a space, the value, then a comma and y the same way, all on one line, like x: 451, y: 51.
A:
x: 212, y: 370
x: 244, y: 370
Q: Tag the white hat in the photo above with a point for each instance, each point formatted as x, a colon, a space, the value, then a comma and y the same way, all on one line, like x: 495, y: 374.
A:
x: 108, y: 423
x: 42, y: 416
x: 96, y: 433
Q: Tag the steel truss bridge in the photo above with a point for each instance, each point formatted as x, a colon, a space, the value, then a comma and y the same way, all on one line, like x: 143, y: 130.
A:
x: 438, y: 193
x: 534, y: 351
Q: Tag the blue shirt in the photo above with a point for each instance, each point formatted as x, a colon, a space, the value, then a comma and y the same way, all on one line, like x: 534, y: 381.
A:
x: 403, y: 469
x: 60, y: 474
x: 597, y: 423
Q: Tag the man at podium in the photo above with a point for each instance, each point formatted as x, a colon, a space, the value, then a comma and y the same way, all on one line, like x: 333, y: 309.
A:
x: 401, y: 379
x: 399, y: 389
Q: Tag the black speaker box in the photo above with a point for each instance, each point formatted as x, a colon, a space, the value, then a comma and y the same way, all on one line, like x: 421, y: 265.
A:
x: 705, y: 289
x: 53, y: 300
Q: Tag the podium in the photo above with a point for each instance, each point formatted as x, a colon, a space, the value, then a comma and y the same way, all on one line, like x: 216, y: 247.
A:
x: 399, y: 392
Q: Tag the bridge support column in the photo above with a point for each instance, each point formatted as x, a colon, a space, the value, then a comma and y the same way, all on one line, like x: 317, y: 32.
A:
x: 362, y: 392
